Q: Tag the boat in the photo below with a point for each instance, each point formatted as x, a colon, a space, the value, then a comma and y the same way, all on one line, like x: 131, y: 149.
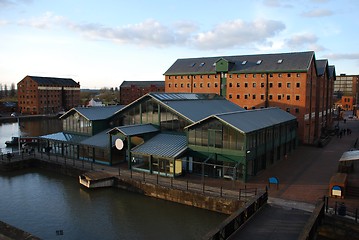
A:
x: 23, y: 140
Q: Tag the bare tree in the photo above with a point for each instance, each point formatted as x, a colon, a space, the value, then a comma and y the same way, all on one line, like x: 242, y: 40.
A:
x: 6, y: 94
x: 1, y: 92
x: 12, y: 90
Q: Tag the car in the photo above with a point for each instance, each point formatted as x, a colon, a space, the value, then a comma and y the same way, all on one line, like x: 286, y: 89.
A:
x: 13, y: 114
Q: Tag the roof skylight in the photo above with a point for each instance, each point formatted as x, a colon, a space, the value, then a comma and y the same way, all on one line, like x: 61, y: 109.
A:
x: 244, y: 62
x: 259, y: 62
x: 280, y: 61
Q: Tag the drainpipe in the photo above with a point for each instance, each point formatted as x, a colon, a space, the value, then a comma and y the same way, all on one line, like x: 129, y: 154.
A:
x: 266, y: 103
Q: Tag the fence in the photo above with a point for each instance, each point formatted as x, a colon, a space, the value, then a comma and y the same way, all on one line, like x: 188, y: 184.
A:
x: 210, y: 190
x: 242, y: 194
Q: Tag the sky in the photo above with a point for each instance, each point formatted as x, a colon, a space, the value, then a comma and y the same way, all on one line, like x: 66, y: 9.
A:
x: 102, y: 43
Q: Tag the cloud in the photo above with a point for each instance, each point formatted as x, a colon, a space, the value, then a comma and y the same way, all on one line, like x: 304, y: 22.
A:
x: 318, y: 13
x: 10, y: 3
x: 343, y: 56
x: 277, y: 3
x: 147, y: 33
x: 238, y: 33
x: 304, y: 41
x: 48, y: 20
x: 152, y: 33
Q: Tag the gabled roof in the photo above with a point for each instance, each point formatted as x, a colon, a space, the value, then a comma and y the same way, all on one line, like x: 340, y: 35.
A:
x: 131, y: 130
x: 54, y: 81
x: 251, y: 120
x: 64, y: 137
x: 142, y: 83
x: 94, y: 113
x: 163, y: 145
x: 332, y: 73
x: 191, y: 106
x: 279, y: 62
x: 322, y: 66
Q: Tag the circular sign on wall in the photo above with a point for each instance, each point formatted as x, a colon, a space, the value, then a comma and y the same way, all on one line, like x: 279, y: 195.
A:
x: 119, y: 144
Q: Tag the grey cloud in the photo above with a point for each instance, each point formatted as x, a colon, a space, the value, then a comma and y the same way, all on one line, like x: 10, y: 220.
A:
x: 238, y: 33
x: 304, y: 41
x: 146, y: 33
x: 318, y: 13
x: 277, y: 3
x: 343, y: 56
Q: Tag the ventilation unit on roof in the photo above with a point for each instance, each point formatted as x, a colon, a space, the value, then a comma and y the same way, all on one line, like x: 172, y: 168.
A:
x: 280, y: 61
x: 244, y: 62
x: 259, y: 62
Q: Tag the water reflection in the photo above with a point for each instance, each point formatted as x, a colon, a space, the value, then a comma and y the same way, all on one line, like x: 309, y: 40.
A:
x: 31, y: 128
x: 43, y: 203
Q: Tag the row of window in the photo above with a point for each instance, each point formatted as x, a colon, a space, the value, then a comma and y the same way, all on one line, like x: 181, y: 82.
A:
x: 245, y: 75
x: 270, y: 96
x: 238, y: 85
x: 296, y: 110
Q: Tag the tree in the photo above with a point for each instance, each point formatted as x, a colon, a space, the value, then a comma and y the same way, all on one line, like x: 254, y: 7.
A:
x: 12, y: 90
x: 6, y: 93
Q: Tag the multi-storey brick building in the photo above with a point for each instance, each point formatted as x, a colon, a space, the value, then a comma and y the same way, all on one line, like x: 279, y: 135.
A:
x: 346, y: 90
x: 45, y: 95
x: 286, y: 80
x: 132, y: 90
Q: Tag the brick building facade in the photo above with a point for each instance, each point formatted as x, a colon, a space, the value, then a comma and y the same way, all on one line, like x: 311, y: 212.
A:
x: 46, y: 95
x: 132, y: 90
x: 287, y: 80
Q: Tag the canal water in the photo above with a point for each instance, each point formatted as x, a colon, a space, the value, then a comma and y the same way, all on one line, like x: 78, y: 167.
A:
x: 54, y: 206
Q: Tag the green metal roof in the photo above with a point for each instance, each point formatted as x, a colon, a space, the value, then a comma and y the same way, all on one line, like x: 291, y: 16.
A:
x: 163, y: 145
x: 94, y: 113
x: 132, y: 130
x: 191, y: 106
x: 251, y: 120
x: 64, y: 137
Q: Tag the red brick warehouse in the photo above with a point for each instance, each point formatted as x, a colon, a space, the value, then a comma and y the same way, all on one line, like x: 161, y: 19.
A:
x: 295, y: 82
x: 45, y: 95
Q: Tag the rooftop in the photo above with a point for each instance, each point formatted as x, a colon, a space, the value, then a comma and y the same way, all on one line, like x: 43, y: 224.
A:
x: 54, y: 81
x: 279, y: 62
x: 94, y: 113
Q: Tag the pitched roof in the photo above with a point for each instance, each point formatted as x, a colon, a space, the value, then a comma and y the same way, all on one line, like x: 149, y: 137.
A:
x: 321, y: 66
x: 332, y: 73
x: 131, y: 130
x: 142, y: 83
x: 94, y: 113
x: 192, y: 106
x: 54, y: 81
x: 278, y: 62
x: 163, y: 145
x: 252, y: 120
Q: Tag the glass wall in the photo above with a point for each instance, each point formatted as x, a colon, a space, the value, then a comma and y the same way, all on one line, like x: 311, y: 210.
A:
x: 77, y: 123
x: 152, y: 112
x: 214, y: 134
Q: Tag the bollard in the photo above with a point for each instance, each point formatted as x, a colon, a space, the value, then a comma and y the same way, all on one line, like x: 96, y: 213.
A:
x: 187, y: 185
x: 221, y: 191
x: 171, y: 182
x: 203, y: 187
x: 144, y: 178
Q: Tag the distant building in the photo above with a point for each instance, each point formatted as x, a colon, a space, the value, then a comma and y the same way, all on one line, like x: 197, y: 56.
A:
x: 131, y: 90
x: 45, y: 95
x: 95, y: 103
x: 346, y: 90
x: 290, y: 81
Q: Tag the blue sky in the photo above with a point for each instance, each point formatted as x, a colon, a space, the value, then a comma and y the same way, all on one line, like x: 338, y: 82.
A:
x: 102, y: 43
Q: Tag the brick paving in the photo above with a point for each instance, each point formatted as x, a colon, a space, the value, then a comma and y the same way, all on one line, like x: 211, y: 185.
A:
x: 305, y: 175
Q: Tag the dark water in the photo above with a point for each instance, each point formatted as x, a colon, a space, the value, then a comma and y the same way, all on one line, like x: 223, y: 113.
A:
x: 31, y: 128
x: 44, y: 203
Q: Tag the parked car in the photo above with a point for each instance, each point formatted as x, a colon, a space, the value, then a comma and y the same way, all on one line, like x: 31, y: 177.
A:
x: 13, y: 114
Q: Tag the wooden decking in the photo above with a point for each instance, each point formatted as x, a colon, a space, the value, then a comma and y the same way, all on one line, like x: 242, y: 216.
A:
x: 96, y: 179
